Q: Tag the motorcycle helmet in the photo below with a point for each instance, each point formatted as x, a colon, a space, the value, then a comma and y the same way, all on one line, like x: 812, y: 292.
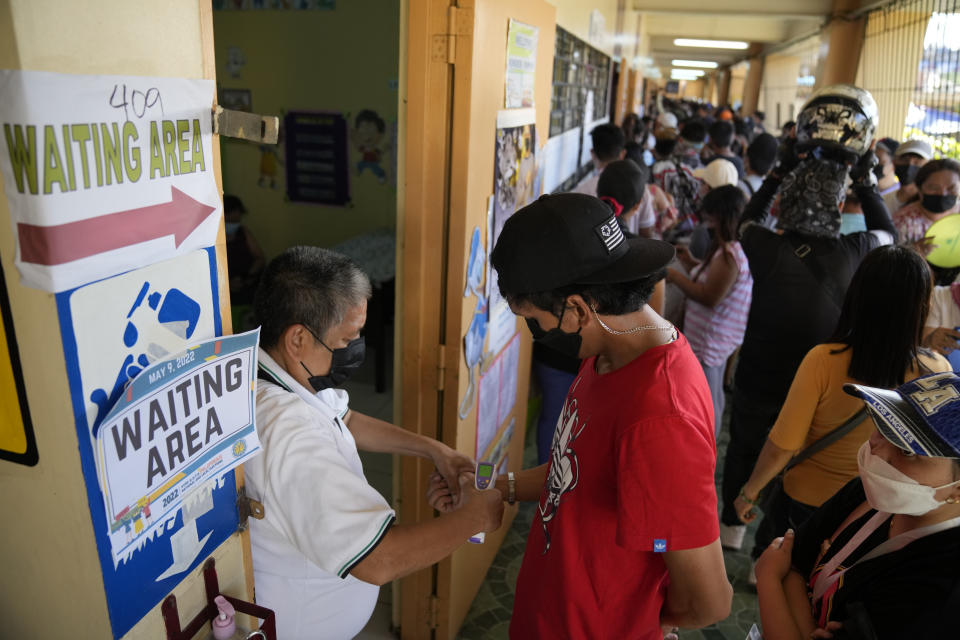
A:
x: 840, y: 120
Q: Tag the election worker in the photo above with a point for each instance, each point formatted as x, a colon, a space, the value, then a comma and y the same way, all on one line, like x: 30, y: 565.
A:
x: 328, y: 539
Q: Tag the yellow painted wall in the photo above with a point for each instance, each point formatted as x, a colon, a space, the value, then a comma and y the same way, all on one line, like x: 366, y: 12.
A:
x: 574, y: 16
x: 693, y: 89
x: 52, y: 584
x: 344, y: 60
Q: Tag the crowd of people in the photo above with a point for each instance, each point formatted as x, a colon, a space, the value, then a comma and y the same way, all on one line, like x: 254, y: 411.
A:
x: 799, y: 270
x: 702, y: 258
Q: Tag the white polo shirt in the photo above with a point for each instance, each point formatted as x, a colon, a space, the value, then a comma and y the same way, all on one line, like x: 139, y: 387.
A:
x: 322, y: 517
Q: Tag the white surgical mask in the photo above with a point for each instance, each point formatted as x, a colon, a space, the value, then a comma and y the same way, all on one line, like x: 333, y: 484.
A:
x: 892, y: 491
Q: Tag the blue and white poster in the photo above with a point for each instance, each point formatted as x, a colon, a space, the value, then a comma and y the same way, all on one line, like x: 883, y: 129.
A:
x: 112, y: 330
x: 180, y: 424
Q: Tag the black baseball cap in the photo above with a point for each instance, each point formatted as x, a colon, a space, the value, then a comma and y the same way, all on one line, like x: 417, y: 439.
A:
x: 571, y: 238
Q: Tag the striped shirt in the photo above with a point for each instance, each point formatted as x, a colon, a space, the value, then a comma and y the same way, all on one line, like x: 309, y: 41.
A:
x: 715, y: 333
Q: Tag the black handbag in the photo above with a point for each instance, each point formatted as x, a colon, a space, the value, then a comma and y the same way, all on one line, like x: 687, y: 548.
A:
x: 775, y: 488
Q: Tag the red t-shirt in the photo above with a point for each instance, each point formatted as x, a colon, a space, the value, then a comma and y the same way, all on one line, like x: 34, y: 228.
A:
x: 630, y: 476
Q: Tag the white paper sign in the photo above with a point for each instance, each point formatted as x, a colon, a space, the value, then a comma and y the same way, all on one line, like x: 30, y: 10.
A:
x: 105, y: 173
x: 181, y: 423
x: 521, y: 64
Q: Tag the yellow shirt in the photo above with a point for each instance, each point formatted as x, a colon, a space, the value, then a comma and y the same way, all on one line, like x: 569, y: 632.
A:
x: 815, y: 406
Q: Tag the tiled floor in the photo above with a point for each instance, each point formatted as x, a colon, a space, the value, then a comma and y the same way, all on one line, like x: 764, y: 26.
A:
x: 489, y: 617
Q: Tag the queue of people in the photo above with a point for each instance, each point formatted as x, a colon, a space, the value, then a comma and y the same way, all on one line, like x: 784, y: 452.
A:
x: 843, y: 426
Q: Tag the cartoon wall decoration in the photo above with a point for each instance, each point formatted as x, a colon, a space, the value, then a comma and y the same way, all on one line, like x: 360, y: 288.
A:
x: 371, y: 143
x: 270, y: 164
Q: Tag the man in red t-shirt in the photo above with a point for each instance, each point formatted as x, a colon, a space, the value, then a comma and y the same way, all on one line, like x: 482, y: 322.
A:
x: 625, y: 542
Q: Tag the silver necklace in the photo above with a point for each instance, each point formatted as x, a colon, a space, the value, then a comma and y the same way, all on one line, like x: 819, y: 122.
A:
x: 643, y: 327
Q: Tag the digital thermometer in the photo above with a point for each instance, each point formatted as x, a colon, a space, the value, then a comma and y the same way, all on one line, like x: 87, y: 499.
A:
x: 484, y: 477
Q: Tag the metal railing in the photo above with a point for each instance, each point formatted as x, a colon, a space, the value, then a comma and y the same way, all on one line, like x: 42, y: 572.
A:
x: 911, y: 64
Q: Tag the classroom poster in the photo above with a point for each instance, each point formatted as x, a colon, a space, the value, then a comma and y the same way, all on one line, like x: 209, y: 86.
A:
x: 181, y: 423
x: 105, y: 173
x: 516, y: 184
x: 112, y: 330
x: 521, y: 64
x: 497, y: 395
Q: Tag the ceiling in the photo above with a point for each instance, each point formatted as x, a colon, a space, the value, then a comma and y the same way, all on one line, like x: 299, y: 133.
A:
x: 759, y: 22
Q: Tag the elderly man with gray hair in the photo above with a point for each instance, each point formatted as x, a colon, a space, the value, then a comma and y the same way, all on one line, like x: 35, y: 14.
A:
x: 328, y: 538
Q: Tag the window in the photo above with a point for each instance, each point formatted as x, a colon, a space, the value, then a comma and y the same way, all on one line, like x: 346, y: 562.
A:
x: 578, y: 69
x: 911, y: 65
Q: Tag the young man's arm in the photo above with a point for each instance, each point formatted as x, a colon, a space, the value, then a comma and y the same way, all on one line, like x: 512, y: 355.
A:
x: 408, y: 548
x: 528, y: 485
x: 699, y: 593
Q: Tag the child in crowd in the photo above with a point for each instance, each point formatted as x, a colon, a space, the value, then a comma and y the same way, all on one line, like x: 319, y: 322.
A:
x: 718, y: 291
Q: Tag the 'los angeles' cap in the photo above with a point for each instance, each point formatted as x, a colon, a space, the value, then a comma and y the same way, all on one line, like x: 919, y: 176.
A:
x: 922, y: 416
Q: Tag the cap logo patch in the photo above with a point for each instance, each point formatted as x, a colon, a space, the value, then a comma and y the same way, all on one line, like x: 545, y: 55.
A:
x: 609, y: 232
x: 932, y: 401
x: 933, y: 396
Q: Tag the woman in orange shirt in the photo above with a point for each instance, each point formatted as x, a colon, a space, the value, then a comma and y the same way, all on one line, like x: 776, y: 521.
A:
x: 877, y: 343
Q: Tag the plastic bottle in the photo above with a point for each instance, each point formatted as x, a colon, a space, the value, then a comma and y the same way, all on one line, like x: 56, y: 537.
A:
x: 224, y: 627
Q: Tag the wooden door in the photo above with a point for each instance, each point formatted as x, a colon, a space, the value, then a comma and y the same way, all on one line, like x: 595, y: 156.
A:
x: 455, y: 89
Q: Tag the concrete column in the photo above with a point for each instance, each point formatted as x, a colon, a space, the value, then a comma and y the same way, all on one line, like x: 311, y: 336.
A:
x: 723, y: 93
x: 711, y: 90
x: 845, y: 38
x: 751, y: 86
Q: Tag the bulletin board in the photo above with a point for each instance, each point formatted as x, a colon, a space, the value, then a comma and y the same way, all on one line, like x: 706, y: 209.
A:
x: 17, y: 442
x: 316, y: 161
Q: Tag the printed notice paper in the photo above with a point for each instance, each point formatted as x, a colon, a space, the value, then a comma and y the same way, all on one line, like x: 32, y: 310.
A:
x: 521, y: 64
x: 183, y: 422
x: 105, y: 173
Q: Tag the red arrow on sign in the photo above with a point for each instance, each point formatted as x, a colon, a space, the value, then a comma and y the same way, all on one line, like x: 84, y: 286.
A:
x: 75, y: 240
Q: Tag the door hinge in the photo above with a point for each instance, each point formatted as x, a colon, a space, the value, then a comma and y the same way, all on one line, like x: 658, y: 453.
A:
x: 433, y: 615
x: 247, y: 508
x: 443, y: 47
x: 441, y: 366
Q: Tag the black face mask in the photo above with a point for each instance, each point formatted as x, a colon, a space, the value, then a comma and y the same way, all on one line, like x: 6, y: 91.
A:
x: 937, y: 203
x: 343, y: 363
x: 566, y: 343
x: 878, y: 171
x: 906, y: 173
